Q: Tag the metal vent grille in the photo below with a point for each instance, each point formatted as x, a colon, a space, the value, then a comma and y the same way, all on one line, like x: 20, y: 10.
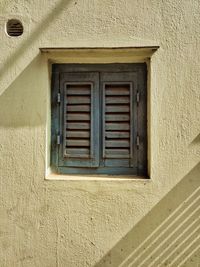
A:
x: 14, y: 28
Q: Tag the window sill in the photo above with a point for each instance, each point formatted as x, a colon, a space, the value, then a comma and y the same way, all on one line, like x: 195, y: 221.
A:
x: 75, y: 177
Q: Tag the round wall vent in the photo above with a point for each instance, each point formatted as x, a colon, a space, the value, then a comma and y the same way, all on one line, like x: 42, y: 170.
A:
x: 14, y: 27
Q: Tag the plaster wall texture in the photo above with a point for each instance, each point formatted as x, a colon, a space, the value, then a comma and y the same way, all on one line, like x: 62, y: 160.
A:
x: 112, y: 222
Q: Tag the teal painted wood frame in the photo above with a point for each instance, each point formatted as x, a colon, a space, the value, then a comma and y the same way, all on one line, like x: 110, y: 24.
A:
x: 139, y: 79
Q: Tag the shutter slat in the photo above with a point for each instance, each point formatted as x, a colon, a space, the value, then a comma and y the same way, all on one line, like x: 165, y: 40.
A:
x: 117, y: 126
x: 117, y: 108
x: 81, y: 151
x: 78, y: 152
x: 77, y: 91
x: 78, y: 108
x: 118, y: 91
x: 117, y: 99
x: 118, y: 143
x: 118, y: 117
x: 78, y: 100
x: 78, y: 126
x: 76, y: 134
x: 77, y: 143
x: 117, y: 153
x: 113, y: 135
x: 78, y: 117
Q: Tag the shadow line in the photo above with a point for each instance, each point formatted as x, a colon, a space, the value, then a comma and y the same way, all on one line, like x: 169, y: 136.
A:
x: 193, y: 251
x: 44, y: 24
x: 196, y: 140
x: 192, y: 241
x: 163, y: 241
x: 169, y: 250
x: 166, y: 235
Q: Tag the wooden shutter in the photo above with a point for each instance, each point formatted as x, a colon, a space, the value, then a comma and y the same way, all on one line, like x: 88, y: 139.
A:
x: 100, y: 119
x: 119, y: 119
x: 79, y: 129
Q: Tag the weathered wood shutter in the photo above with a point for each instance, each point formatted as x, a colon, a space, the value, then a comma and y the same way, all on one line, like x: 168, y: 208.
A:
x: 119, y: 119
x: 99, y: 119
x: 79, y: 128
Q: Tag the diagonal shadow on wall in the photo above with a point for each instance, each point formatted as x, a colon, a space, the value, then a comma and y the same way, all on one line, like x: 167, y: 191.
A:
x: 196, y: 140
x: 22, y: 105
x: 36, y: 33
x: 169, y: 235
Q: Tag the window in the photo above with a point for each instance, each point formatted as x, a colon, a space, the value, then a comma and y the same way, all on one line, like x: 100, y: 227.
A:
x: 99, y: 119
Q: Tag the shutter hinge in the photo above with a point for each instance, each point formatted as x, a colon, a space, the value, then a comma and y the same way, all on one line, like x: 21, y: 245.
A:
x: 138, y: 97
x: 58, y: 98
x: 138, y: 141
x: 58, y: 139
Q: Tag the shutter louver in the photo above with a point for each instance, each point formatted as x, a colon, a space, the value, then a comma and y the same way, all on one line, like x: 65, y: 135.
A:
x: 118, y: 120
x: 77, y: 122
x: 80, y: 130
x: 117, y: 124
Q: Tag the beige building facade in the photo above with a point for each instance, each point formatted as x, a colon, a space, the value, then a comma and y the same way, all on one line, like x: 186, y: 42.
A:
x: 52, y: 220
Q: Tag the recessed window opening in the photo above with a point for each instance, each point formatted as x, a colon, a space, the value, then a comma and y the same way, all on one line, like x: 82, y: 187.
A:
x: 99, y: 119
x: 14, y: 28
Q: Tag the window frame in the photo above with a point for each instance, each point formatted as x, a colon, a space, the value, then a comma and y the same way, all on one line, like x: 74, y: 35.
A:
x: 140, y: 70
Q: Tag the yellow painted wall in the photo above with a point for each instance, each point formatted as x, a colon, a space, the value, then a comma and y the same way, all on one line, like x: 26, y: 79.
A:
x: 146, y: 223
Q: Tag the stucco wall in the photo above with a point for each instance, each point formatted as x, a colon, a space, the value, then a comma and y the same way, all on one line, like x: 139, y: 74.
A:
x: 101, y: 223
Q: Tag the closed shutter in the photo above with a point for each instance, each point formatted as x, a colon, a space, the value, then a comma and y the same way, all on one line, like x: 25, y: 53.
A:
x: 99, y: 119
x: 79, y: 129
x: 119, y: 120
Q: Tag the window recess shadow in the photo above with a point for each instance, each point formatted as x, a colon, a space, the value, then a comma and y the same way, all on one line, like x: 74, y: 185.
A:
x: 169, y: 235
